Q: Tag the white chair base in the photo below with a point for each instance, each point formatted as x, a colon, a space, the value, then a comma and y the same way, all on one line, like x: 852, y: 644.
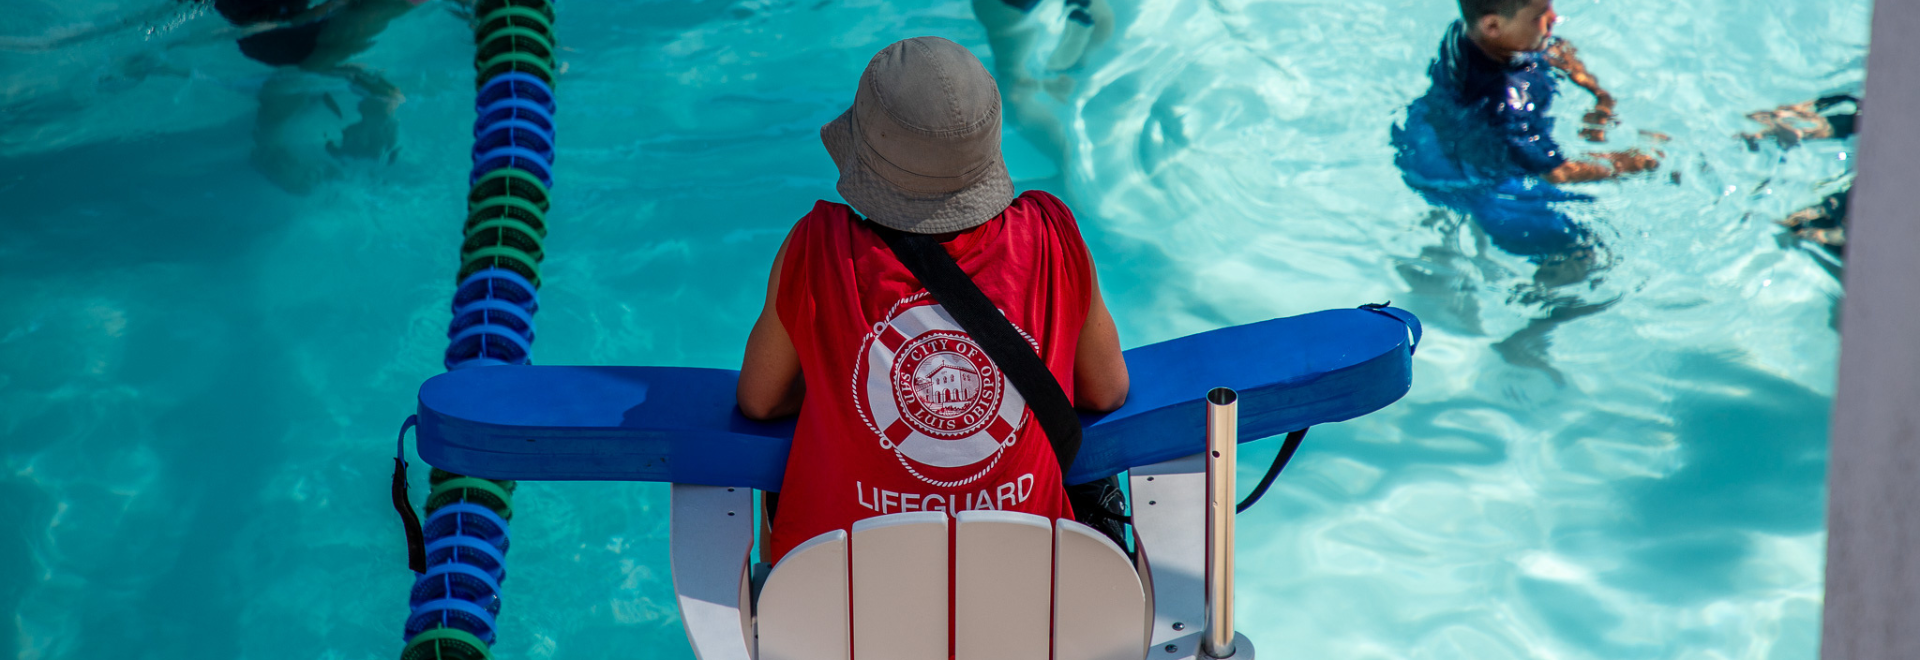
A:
x: 881, y: 591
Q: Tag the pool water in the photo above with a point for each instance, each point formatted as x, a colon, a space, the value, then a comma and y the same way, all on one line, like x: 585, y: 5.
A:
x: 201, y: 373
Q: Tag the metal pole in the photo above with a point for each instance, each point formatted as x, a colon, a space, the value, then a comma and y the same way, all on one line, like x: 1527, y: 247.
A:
x: 1223, y: 432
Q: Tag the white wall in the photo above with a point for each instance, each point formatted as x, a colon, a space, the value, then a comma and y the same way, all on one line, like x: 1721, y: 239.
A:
x: 1873, y: 543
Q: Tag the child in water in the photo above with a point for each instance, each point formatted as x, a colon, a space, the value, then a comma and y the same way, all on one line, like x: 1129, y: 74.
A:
x: 1480, y: 142
x: 1499, y: 61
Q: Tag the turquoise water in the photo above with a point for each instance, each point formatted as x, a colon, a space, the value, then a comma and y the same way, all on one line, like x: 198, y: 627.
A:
x: 201, y: 374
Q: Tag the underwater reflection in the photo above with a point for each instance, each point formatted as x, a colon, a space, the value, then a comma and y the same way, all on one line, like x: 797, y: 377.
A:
x: 1822, y: 225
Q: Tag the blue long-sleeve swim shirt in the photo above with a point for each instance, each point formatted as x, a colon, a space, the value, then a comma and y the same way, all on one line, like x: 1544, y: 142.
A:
x: 1510, y: 99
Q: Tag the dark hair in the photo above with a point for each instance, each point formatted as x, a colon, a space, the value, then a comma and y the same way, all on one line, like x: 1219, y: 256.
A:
x: 1472, y: 10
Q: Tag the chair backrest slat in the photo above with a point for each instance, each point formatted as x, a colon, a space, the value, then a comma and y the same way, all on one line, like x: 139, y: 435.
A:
x: 899, y: 576
x: 1024, y: 586
x: 1099, y: 607
x: 802, y: 611
x: 1003, y: 582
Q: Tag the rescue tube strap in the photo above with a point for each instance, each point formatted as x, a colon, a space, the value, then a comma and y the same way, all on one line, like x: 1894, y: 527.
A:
x: 416, y: 539
x: 949, y: 285
x: 1401, y: 315
x: 1279, y: 463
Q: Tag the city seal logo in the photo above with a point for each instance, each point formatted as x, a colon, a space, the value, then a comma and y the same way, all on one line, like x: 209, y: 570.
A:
x: 933, y: 398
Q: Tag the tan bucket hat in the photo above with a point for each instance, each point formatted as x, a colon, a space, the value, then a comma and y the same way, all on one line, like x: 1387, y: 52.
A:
x: 919, y: 151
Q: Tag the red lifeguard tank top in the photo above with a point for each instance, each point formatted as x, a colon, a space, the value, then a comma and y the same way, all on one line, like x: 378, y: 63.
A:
x: 903, y: 412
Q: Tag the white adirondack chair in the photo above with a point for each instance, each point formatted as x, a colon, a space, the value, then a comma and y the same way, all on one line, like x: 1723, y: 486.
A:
x: 1025, y: 587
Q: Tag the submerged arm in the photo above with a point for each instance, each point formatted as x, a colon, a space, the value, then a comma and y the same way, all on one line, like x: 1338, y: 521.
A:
x: 1617, y: 163
x: 1564, y: 57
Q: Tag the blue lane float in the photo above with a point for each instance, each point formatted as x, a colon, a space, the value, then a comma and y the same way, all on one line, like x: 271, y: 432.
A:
x: 518, y: 86
x: 515, y: 109
x: 680, y: 425
x: 462, y: 545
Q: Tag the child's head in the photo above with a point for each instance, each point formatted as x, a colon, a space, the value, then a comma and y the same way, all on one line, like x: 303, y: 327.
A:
x: 1511, y: 25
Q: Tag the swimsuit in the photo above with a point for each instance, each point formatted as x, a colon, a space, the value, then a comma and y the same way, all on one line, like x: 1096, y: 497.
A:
x: 287, y: 46
x: 1844, y: 123
x: 1477, y: 141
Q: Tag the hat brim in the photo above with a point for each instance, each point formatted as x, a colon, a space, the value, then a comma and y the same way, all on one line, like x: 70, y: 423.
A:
x: 883, y: 202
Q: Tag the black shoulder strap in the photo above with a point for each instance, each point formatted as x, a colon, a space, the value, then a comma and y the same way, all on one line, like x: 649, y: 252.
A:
x: 951, y: 287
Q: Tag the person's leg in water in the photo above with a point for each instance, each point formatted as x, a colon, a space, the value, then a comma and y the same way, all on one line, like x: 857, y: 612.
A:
x: 1526, y: 223
x: 322, y: 47
x: 1789, y: 124
x: 1014, y: 41
x: 350, y: 32
x: 284, y: 148
x: 376, y: 134
x: 1089, y: 24
x: 1527, y: 347
x: 1824, y: 223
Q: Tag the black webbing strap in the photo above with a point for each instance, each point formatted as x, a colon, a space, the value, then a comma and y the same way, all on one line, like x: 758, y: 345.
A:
x: 929, y: 262
x: 416, y: 539
x: 1279, y: 463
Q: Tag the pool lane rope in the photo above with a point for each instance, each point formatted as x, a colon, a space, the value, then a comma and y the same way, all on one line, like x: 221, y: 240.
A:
x: 459, y: 551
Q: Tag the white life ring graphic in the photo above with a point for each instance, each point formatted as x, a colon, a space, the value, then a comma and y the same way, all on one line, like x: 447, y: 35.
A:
x: 933, y: 398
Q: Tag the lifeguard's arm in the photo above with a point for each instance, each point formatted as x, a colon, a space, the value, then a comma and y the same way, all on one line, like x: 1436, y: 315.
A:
x: 1099, y: 372
x: 770, y: 384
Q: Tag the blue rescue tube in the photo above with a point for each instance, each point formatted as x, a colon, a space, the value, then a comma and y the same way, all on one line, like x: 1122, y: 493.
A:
x: 498, y: 284
x: 515, y: 85
x: 505, y: 109
x: 470, y: 363
x: 680, y: 425
x: 470, y: 551
x: 515, y: 133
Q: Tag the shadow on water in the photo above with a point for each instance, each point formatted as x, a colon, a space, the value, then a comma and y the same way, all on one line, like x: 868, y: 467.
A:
x: 1682, y: 508
x: 1754, y: 460
x: 166, y: 231
x: 22, y: 508
x: 181, y: 197
x: 160, y: 547
x: 1751, y: 456
x: 225, y: 440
